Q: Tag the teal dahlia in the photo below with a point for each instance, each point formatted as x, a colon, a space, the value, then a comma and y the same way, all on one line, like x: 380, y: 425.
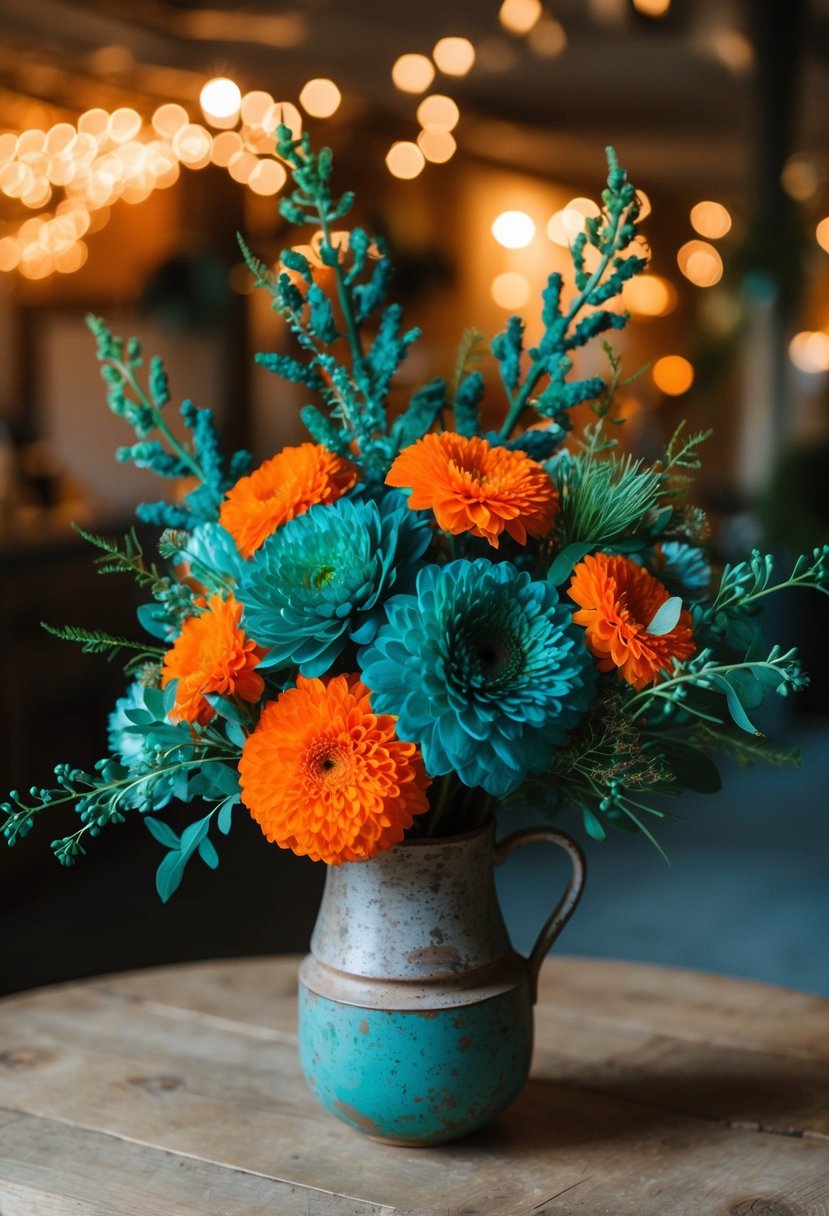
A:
x: 322, y: 578
x: 485, y: 670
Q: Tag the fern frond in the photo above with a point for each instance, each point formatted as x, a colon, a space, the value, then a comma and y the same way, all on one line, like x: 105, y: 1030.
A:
x: 97, y: 641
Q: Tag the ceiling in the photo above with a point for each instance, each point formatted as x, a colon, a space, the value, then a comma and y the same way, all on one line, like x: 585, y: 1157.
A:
x: 680, y: 97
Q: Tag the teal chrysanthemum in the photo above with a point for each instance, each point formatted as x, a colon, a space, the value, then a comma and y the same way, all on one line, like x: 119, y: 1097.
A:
x: 682, y: 568
x: 137, y: 718
x: 485, y: 670
x: 321, y: 579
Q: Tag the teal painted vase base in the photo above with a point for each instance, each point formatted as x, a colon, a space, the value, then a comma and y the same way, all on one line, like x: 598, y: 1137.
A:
x: 416, y: 1077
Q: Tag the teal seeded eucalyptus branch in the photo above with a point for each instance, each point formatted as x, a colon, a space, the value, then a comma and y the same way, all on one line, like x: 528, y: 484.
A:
x: 610, y: 234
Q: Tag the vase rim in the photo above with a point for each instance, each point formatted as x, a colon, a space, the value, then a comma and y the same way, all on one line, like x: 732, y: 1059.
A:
x: 482, y: 829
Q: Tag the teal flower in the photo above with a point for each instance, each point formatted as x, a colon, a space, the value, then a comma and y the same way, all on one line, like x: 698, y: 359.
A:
x: 484, y: 669
x: 321, y: 579
x: 135, y: 728
x: 683, y: 569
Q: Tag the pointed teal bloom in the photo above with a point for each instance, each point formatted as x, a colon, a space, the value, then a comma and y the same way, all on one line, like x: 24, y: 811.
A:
x: 322, y: 579
x: 484, y: 669
x: 130, y: 737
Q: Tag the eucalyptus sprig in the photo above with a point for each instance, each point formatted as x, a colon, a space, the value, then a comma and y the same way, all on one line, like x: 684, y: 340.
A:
x: 569, y: 327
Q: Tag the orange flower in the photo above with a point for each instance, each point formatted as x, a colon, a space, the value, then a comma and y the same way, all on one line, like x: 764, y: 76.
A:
x: 323, y: 775
x: 212, y: 655
x: 284, y: 486
x: 474, y: 487
x: 617, y: 601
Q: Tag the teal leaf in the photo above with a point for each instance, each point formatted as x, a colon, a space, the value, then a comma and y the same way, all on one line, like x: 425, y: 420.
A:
x: 168, y: 875
x: 692, y: 768
x: 163, y: 833
x: 592, y: 824
x: 666, y: 617
x: 563, y: 565
x: 735, y: 707
x: 748, y: 687
x: 227, y: 709
x: 224, y: 819
x: 208, y: 853
x: 235, y: 734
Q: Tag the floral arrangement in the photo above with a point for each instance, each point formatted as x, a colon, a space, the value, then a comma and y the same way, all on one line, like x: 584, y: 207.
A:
x: 406, y: 622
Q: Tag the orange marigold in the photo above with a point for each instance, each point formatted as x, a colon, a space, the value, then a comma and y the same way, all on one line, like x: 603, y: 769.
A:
x: 284, y: 486
x: 474, y: 487
x: 323, y: 775
x: 617, y: 601
x: 212, y: 655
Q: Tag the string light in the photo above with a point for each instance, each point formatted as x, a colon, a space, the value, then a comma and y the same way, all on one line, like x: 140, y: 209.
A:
x: 169, y: 118
x: 710, y: 219
x: 510, y: 290
x: 649, y: 295
x: 282, y: 113
x: 519, y: 16
x: 822, y: 234
x: 412, y: 73
x: 405, y: 160
x: 700, y: 263
x: 437, y: 112
x: 513, y: 229
x: 673, y: 375
x: 652, y: 8
x: 320, y: 98
x: 454, y: 56
x: 565, y: 225
x: 220, y: 101
x: 809, y: 352
x: 547, y: 39
x: 436, y: 145
x: 268, y: 177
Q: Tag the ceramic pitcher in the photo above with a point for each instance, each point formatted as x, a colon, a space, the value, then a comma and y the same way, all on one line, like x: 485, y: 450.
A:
x: 415, y: 1012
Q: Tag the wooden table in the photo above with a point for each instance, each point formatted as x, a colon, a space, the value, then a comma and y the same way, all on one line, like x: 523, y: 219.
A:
x: 178, y: 1091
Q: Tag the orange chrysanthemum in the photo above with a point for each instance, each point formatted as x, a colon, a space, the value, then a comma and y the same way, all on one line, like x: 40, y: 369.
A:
x: 617, y: 601
x: 474, y: 487
x: 212, y: 655
x: 323, y: 775
x: 284, y: 486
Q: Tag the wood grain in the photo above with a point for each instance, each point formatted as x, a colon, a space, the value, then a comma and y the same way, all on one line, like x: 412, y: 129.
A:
x: 653, y: 1093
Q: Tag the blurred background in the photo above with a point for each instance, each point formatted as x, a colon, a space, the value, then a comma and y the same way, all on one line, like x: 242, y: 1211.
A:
x: 134, y: 145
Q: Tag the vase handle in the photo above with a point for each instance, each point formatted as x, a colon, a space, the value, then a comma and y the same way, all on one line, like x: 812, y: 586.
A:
x: 565, y: 907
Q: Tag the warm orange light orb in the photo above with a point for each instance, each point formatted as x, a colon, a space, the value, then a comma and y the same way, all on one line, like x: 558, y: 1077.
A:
x: 454, y: 56
x: 822, y: 234
x: 700, y: 263
x: 510, y: 290
x: 649, y: 295
x: 404, y: 160
x: 673, y: 375
x: 519, y: 16
x: 438, y: 112
x: 809, y: 352
x: 437, y: 146
x: 513, y: 229
x: 320, y: 98
x: 710, y: 219
x: 220, y: 101
x: 412, y: 73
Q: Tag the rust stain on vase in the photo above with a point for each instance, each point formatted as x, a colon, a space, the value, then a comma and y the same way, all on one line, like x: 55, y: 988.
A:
x: 352, y: 1115
x: 434, y: 956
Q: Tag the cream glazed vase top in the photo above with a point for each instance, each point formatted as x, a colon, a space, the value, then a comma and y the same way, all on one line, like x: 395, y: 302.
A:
x: 415, y: 1012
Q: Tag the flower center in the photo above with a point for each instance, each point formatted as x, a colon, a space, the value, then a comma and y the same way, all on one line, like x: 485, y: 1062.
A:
x: 329, y: 763
x: 321, y: 576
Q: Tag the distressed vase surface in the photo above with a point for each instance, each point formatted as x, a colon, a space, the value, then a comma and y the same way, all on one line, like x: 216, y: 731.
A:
x: 415, y: 1012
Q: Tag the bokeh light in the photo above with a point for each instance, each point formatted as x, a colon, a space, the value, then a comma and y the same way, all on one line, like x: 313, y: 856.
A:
x: 220, y: 101
x: 454, y: 56
x: 436, y: 145
x: 519, y: 16
x: 649, y: 295
x: 547, y: 39
x: 510, y: 289
x: 405, y: 160
x: 710, y: 219
x: 412, y: 73
x: 809, y: 352
x: 673, y: 375
x: 700, y: 263
x: 822, y: 234
x: 438, y: 112
x: 513, y: 229
x: 320, y: 98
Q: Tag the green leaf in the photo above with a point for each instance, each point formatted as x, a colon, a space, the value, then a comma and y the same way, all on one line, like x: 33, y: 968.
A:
x: 163, y: 833
x: 563, y: 565
x: 666, y: 617
x: 748, y: 687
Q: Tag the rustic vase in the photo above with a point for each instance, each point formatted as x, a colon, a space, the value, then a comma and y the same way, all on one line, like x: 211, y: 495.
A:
x: 415, y: 1012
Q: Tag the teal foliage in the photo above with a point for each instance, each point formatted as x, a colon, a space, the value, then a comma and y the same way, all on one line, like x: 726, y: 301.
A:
x: 424, y: 407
